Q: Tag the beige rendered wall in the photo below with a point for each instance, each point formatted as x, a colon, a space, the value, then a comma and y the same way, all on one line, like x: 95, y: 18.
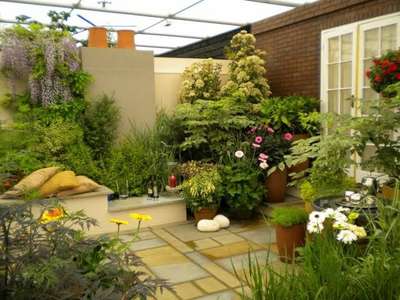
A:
x: 129, y: 76
x: 168, y: 77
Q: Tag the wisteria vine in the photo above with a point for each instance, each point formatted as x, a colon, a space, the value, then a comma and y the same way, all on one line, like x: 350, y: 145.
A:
x: 47, y: 59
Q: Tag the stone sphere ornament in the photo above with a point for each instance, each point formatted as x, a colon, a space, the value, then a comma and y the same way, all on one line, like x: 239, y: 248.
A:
x: 222, y: 221
x: 207, y: 226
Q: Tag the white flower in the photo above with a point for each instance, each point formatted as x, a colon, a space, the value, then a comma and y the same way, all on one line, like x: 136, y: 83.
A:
x: 239, y: 154
x: 346, y: 236
x: 342, y: 209
x: 338, y: 216
x: 263, y: 165
x: 317, y: 217
x: 314, y: 227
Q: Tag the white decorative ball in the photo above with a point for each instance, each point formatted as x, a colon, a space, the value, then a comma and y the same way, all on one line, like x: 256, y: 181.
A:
x: 222, y: 221
x: 207, y: 225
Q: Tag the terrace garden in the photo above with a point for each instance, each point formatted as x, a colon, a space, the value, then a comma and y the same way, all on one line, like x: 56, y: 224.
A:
x: 231, y: 151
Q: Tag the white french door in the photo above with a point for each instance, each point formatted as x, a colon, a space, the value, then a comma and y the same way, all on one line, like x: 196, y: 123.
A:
x: 346, y: 54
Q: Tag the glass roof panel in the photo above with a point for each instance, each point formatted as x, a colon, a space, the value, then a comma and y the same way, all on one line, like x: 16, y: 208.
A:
x: 230, y: 11
x: 240, y: 11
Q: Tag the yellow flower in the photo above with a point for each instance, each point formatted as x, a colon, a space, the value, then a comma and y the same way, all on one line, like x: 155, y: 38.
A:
x: 140, y: 217
x: 358, y: 231
x: 353, y: 215
x: 118, y: 221
x: 51, y: 215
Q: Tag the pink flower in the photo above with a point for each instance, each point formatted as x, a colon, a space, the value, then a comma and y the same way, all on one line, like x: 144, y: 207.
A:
x: 258, y: 139
x: 263, y: 157
x: 255, y: 145
x: 253, y: 129
x: 270, y: 130
x: 288, y: 136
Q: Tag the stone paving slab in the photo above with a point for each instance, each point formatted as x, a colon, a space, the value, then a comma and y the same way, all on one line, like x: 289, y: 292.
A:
x: 199, y: 265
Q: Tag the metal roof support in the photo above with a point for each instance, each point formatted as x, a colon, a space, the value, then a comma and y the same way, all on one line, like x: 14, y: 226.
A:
x: 112, y: 11
x: 277, y: 2
x: 144, y: 33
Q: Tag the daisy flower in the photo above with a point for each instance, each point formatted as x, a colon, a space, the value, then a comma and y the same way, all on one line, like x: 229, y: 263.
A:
x: 317, y: 217
x: 239, y: 154
x: 314, y: 227
x: 263, y: 165
x: 346, y: 236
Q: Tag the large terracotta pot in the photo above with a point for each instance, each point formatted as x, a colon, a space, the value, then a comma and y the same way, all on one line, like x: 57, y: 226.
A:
x: 288, y: 239
x: 207, y: 213
x: 126, y: 39
x: 276, y: 186
x: 301, y: 166
x: 97, y: 37
x: 387, y: 192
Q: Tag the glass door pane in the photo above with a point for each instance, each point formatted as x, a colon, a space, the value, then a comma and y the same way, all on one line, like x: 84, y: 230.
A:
x: 339, y: 74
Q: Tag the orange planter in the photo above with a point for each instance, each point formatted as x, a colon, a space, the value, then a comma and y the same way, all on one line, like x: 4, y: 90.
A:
x: 288, y: 239
x: 126, y: 39
x: 276, y: 186
x: 97, y: 37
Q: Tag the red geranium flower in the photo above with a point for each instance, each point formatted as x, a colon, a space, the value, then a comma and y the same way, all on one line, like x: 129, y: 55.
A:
x: 378, y: 78
x: 398, y: 76
x: 392, y: 68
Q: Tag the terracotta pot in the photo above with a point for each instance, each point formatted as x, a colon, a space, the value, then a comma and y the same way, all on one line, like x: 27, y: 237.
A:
x: 304, y: 165
x: 288, y: 239
x: 207, y: 213
x: 387, y: 192
x: 276, y: 186
x: 97, y: 37
x: 126, y: 39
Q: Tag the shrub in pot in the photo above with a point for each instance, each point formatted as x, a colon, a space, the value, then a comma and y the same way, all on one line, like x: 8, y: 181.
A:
x: 290, y: 225
x: 271, y: 147
x: 199, y: 192
x: 241, y: 187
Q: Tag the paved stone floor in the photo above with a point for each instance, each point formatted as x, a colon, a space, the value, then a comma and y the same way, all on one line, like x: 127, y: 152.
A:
x: 203, y: 265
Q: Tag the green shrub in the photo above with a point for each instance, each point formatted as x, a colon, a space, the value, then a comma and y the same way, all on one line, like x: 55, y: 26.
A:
x: 100, y: 124
x: 289, y: 216
x: 47, y: 259
x: 199, y: 191
x: 290, y: 114
x: 141, y: 157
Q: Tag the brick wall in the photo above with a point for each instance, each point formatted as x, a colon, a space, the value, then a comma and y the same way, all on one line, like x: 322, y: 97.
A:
x: 292, y: 40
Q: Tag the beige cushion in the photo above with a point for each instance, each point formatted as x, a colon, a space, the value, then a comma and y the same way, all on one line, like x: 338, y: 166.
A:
x: 85, y: 185
x: 31, y: 182
x: 60, y: 182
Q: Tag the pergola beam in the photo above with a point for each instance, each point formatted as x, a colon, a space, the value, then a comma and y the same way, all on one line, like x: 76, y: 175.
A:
x: 131, y: 13
x: 110, y: 29
x: 277, y: 2
x: 85, y: 28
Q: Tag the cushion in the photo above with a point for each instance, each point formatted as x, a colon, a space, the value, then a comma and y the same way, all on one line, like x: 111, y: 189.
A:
x: 60, y: 182
x: 222, y: 221
x: 85, y: 185
x: 207, y: 225
x: 31, y: 182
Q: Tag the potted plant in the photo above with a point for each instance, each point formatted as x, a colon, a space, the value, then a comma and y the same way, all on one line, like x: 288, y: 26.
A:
x: 295, y: 114
x: 384, y: 72
x: 290, y: 224
x: 199, y: 192
x: 271, y: 148
x: 241, y: 189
